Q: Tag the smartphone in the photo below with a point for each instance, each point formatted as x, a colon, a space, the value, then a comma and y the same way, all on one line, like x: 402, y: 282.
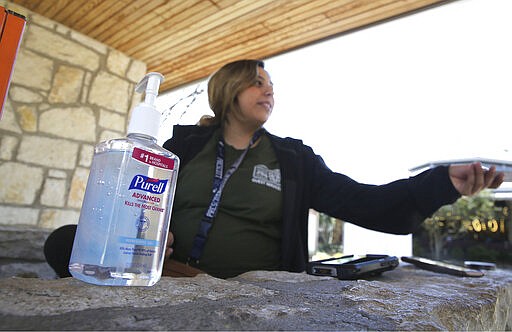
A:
x: 475, y: 265
x: 352, y: 266
x: 442, y: 267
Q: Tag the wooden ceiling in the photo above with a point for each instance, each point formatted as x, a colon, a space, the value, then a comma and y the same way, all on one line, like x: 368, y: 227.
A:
x: 187, y: 40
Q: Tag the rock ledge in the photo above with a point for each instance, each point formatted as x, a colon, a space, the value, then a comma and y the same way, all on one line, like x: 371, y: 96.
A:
x: 404, y: 299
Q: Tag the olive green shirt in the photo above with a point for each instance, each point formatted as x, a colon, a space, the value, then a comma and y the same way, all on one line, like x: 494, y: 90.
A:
x: 246, y: 233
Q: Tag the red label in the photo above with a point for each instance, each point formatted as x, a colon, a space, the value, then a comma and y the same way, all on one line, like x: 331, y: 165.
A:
x: 153, y: 159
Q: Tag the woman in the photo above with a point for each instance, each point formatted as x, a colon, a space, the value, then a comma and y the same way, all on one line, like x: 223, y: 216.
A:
x: 243, y: 195
x: 259, y: 220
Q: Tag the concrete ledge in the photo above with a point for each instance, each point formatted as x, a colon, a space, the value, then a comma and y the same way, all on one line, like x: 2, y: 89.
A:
x: 21, y: 252
x: 22, y: 242
x: 404, y: 299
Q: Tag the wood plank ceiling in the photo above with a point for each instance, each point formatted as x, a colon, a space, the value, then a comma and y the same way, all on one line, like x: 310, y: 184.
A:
x: 187, y: 40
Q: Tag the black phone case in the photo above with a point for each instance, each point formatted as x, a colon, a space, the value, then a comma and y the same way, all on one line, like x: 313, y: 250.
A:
x: 477, y: 265
x: 360, y: 267
x: 441, y: 267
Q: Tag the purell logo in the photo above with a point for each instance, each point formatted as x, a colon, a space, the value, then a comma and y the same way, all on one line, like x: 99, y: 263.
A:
x: 150, y: 185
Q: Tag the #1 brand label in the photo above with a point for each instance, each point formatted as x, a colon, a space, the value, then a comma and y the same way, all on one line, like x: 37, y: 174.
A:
x: 153, y: 159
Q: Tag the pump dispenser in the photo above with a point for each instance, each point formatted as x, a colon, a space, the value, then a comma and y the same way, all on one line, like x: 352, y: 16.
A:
x: 125, y: 216
x: 145, y: 117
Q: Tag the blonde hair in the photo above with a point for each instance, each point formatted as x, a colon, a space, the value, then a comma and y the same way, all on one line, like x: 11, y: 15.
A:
x: 224, y: 87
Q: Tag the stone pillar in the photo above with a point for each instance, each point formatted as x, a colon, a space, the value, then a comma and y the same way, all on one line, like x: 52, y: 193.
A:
x: 67, y: 93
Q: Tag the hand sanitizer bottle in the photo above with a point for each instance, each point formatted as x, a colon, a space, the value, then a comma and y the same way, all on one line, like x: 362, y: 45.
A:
x: 124, y: 221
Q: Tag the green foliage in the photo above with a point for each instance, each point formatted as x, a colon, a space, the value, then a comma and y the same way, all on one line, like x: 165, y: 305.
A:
x: 330, y: 232
x: 454, y: 221
x: 482, y: 253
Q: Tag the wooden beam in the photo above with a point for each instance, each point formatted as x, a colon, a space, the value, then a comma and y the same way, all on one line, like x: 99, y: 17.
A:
x: 262, y: 49
x: 187, y: 39
x: 128, y: 21
x: 240, y: 29
x: 186, y: 32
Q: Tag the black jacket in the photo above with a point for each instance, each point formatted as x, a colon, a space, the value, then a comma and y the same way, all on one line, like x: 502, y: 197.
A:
x: 398, y: 207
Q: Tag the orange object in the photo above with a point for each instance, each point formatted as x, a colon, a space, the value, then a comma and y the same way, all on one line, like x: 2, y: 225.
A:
x: 12, y: 26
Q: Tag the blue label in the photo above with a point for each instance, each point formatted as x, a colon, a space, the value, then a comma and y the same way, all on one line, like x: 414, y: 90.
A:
x: 150, y: 185
x: 138, y: 242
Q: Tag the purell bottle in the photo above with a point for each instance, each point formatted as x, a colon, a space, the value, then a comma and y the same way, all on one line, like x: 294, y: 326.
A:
x: 124, y: 221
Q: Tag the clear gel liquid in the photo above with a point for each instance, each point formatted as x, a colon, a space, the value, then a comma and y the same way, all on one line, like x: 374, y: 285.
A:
x: 124, y: 221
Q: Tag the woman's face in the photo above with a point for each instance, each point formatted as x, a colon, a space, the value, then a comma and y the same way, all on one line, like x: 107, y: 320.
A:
x: 257, y: 101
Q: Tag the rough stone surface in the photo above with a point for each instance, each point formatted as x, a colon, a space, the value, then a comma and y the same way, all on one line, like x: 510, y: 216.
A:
x: 20, y: 94
x: 16, y: 215
x: 66, y: 91
x: 32, y: 70
x: 26, y: 270
x: 136, y: 71
x: 58, y: 47
x: 109, y: 134
x: 22, y: 242
x: 44, y: 107
x: 55, y: 218
x: 110, y: 91
x: 31, y: 298
x: 14, y: 7
x: 7, y: 146
x: 21, y: 252
x: 27, y: 116
x: 62, y: 29
x: 86, y: 154
x: 8, y: 122
x: 67, y: 85
x: 57, y: 174
x: 89, y: 42
x: 54, y: 192
x: 403, y: 299
x: 42, y: 21
x: 19, y: 182
x: 78, y: 184
x: 117, y: 62
x: 72, y: 122
x: 51, y: 152
x: 112, y: 120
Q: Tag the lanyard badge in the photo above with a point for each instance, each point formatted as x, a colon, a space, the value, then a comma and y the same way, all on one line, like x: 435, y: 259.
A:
x: 219, y: 182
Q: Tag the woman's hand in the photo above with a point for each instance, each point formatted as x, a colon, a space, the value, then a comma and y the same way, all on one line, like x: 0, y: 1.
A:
x: 168, y: 245
x: 469, y: 179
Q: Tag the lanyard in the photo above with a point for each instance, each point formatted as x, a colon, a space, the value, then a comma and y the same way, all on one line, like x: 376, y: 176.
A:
x: 219, y: 182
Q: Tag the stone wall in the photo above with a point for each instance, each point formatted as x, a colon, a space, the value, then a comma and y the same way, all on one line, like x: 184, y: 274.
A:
x: 67, y: 93
x: 405, y: 299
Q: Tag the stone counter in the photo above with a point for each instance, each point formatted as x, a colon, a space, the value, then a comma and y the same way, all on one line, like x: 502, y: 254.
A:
x: 404, y: 299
